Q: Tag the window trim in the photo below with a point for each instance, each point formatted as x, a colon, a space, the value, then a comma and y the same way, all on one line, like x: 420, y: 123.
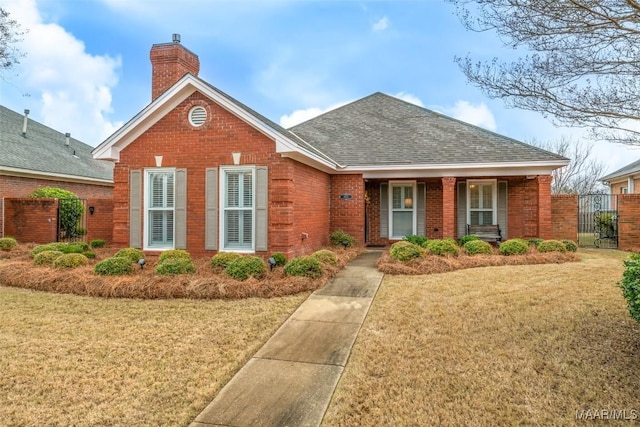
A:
x: 223, y: 208
x: 147, y: 208
x: 494, y: 197
x: 414, y: 208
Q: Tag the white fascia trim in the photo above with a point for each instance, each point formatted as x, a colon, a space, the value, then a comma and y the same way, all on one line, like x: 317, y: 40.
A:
x: 110, y: 148
x: 52, y: 176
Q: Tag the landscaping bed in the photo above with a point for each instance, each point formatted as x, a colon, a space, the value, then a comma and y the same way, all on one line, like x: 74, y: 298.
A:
x: 17, y: 269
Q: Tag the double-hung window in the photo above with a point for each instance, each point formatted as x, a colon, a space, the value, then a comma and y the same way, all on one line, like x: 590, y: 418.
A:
x: 482, y: 202
x: 238, y: 205
x: 403, y: 212
x: 160, y: 190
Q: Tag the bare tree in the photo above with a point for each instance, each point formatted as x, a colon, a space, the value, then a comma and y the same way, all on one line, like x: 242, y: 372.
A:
x: 583, y: 68
x: 581, y: 175
x: 10, y: 34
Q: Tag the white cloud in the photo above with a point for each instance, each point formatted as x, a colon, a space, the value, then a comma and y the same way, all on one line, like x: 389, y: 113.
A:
x: 382, y: 24
x: 73, y: 87
x: 409, y: 98
x: 299, y: 116
x: 478, y: 115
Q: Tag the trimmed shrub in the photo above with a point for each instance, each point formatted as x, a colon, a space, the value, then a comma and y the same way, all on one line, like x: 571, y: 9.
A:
x: 514, y: 247
x: 443, y: 247
x: 114, y: 266
x: 477, y: 247
x: 570, y: 245
x: 176, y: 265
x: 71, y: 207
x: 535, y: 241
x: 89, y: 254
x: 46, y: 257
x: 325, y: 256
x: 8, y: 243
x: 405, y: 251
x: 58, y: 246
x: 223, y: 259
x: 72, y: 260
x: 416, y: 239
x: 305, y: 266
x: 552, y: 246
x: 173, y: 253
x: 630, y: 285
x: 245, y: 267
x: 280, y: 258
x: 339, y: 237
x: 77, y: 246
x: 133, y: 254
x: 97, y: 243
x: 468, y: 238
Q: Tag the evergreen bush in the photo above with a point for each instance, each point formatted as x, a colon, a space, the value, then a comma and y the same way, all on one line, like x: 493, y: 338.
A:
x: 72, y: 260
x: 443, y: 247
x: 173, y: 253
x: 468, y: 238
x: 514, y: 247
x: 133, y: 254
x: 551, y: 246
x: 305, y: 266
x: 339, y: 237
x: 222, y: 260
x: 405, y: 251
x: 114, y: 266
x: 97, y: 243
x: 178, y: 265
x: 416, y: 239
x: 325, y: 256
x: 280, y: 258
x: 630, y: 285
x: 477, y: 247
x: 7, y: 243
x: 570, y: 245
x: 46, y: 257
x: 247, y: 266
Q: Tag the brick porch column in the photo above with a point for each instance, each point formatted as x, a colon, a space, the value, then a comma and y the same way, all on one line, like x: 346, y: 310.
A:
x: 545, y: 228
x: 448, y: 207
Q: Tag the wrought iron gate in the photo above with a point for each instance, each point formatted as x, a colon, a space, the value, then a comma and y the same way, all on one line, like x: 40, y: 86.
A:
x: 598, y: 220
x: 72, y: 220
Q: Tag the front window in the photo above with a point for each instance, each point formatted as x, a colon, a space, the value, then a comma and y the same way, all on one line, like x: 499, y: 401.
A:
x: 402, y: 218
x: 160, y: 208
x: 238, y: 206
x: 482, y: 203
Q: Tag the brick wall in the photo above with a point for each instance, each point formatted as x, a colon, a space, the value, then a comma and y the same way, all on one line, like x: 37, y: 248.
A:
x: 347, y: 214
x: 629, y: 221
x: 100, y: 223
x: 31, y: 220
x: 564, y: 217
x: 433, y: 209
x: 170, y: 62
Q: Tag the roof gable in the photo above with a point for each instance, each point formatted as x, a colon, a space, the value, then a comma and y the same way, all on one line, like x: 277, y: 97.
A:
x: 42, y: 151
x: 381, y: 130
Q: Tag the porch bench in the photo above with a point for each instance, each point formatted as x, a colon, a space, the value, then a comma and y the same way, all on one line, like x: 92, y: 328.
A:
x: 488, y: 233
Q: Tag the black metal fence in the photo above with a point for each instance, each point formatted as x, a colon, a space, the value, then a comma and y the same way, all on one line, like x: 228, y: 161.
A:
x: 598, y: 220
x: 72, y: 220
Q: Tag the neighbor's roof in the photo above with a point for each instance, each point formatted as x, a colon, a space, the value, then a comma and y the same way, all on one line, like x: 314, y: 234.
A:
x: 630, y: 169
x: 384, y: 130
x: 42, y: 152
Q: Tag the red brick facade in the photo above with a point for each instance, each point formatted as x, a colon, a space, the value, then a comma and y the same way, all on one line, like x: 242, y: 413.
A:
x: 564, y: 217
x: 629, y: 221
x: 171, y: 61
x: 348, y: 205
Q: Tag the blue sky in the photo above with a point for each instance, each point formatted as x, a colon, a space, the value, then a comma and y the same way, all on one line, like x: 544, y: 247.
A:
x: 87, y: 68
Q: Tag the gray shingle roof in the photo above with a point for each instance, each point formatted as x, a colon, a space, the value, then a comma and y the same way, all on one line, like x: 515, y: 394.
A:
x: 43, y: 150
x: 629, y: 169
x: 381, y: 129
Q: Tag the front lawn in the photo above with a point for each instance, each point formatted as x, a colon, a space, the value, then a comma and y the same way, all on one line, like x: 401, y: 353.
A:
x: 69, y: 360
x: 512, y: 345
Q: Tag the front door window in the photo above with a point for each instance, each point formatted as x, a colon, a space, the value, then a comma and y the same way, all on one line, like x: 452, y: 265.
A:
x: 482, y: 203
x: 402, y: 210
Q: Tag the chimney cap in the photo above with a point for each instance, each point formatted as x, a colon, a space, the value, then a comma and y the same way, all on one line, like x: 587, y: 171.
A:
x: 176, y: 38
x: 26, y: 111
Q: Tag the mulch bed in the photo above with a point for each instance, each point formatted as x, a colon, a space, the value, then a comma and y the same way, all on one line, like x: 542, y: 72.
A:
x: 433, y: 264
x: 17, y: 270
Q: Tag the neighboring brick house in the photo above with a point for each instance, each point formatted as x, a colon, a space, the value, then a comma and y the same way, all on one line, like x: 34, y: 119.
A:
x: 33, y: 155
x: 625, y: 180
x: 196, y: 169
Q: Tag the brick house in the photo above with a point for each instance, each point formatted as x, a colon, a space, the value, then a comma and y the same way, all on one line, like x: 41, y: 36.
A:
x: 625, y: 180
x: 33, y: 155
x: 197, y: 169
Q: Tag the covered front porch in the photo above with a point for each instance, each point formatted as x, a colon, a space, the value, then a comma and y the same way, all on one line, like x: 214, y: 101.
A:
x: 445, y: 206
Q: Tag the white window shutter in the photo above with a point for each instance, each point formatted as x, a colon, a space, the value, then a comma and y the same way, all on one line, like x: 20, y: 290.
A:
x: 502, y: 209
x: 384, y: 210
x: 211, y: 215
x: 261, y: 197
x: 135, y: 208
x: 420, y: 209
x: 180, y: 218
x: 462, y: 209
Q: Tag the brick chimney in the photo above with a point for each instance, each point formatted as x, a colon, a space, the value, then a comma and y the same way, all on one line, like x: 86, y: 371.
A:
x: 169, y: 63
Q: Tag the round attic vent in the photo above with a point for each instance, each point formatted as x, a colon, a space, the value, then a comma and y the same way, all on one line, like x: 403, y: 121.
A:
x: 197, y: 116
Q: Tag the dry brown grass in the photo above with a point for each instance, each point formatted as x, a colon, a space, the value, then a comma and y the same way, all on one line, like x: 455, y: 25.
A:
x: 67, y: 360
x: 514, y: 345
x: 18, y: 270
x: 432, y: 264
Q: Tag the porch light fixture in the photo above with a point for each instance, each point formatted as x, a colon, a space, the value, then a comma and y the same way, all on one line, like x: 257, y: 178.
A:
x: 91, y: 210
x: 408, y: 203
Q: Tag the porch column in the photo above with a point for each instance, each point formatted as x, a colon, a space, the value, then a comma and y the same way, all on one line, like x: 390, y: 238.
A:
x: 448, y: 207
x: 545, y: 228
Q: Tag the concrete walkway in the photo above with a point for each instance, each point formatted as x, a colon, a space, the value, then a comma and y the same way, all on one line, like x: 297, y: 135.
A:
x: 290, y: 380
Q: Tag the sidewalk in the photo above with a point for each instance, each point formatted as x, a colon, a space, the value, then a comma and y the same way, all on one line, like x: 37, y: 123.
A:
x: 290, y: 380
